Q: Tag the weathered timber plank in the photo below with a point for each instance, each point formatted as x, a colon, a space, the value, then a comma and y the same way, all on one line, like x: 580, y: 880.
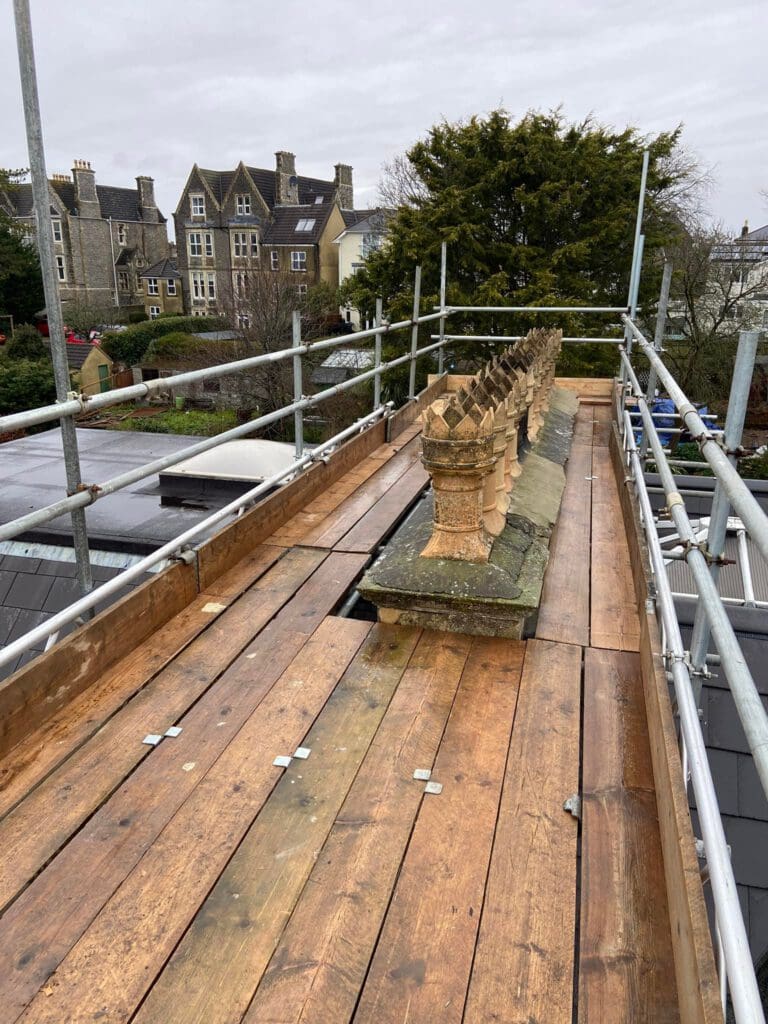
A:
x: 214, y: 971
x: 523, y: 968
x: 235, y: 541
x: 613, y: 614
x: 409, y: 415
x: 421, y: 968
x: 40, y: 825
x: 602, y: 425
x: 692, y: 947
x: 564, y: 607
x: 33, y: 694
x: 330, y: 531
x: 243, y: 575
x: 149, y: 912
x: 583, y: 425
x: 319, y: 965
x: 380, y: 520
x: 587, y: 387
x: 45, y: 924
x: 31, y: 761
x: 626, y: 967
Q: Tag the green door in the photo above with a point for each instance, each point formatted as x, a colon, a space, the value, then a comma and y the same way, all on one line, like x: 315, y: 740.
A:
x: 104, y: 376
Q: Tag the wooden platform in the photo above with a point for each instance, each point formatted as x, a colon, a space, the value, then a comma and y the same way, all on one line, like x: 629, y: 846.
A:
x: 195, y: 881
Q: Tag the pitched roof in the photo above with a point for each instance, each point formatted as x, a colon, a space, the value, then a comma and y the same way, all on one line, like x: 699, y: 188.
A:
x: 219, y: 182
x: 164, y: 269
x: 283, y: 224
x: 352, y: 217
x: 368, y: 221
x: 118, y: 203
x: 77, y: 352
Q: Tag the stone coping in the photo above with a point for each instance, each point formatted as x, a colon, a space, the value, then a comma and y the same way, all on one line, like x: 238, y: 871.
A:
x: 498, y: 598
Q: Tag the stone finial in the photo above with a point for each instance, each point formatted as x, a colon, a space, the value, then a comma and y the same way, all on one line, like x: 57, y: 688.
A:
x: 457, y: 451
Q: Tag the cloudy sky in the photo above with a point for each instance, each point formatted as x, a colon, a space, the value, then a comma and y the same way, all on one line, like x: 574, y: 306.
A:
x: 153, y: 86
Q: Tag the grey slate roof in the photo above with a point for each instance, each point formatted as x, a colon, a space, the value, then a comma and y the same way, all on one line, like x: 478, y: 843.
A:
x: 77, y: 353
x: 353, y: 218
x: 120, y: 204
x: 281, y: 229
x: 220, y: 182
x: 164, y: 269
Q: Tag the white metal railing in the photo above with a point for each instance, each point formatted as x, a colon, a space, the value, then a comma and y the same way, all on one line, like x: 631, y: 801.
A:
x: 703, y: 554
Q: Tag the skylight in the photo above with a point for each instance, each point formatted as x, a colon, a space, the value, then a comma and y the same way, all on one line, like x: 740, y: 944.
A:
x: 305, y: 224
x: 318, y: 200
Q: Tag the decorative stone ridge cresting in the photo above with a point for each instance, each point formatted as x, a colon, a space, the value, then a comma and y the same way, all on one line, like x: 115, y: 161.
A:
x: 470, y: 445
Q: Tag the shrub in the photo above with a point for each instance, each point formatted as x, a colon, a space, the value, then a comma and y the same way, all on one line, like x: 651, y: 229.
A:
x: 130, y: 346
x: 25, y: 384
x: 26, y: 343
x: 137, y: 318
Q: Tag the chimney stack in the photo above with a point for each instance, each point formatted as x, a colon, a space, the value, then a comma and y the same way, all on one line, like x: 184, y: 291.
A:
x: 745, y: 229
x: 85, y: 189
x: 147, y: 207
x: 344, y: 190
x: 286, y: 182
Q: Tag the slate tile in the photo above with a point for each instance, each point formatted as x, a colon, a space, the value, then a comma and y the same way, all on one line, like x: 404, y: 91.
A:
x: 748, y: 841
x: 27, y: 620
x: 758, y: 923
x: 28, y: 591
x: 49, y: 567
x: 8, y: 618
x: 102, y: 573
x: 9, y: 669
x: 19, y: 563
x: 753, y: 803
x: 724, y: 767
x: 6, y: 579
x: 723, y: 725
x: 63, y: 592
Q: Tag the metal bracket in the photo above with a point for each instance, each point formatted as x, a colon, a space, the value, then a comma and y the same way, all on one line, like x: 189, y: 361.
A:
x: 422, y: 774
x: 434, y: 787
x: 573, y: 806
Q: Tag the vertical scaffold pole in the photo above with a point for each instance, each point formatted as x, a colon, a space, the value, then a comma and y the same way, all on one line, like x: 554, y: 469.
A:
x: 42, y: 205
x: 414, y: 333
x: 637, y: 250
x: 658, y: 338
x: 718, y: 519
x: 377, y: 354
x: 443, y: 281
x: 298, y: 416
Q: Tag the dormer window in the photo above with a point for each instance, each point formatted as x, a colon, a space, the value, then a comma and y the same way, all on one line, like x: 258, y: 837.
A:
x: 197, y: 205
x: 121, y: 234
x: 318, y: 200
x: 243, y: 204
x: 305, y: 224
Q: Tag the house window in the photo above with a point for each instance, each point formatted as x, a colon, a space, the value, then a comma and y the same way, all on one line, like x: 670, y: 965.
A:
x: 208, y: 244
x: 243, y: 205
x: 197, y: 283
x: 243, y: 320
x: 298, y: 260
x: 121, y: 235
x: 195, y: 244
x: 154, y: 312
x: 122, y: 280
x: 197, y: 205
x: 274, y: 258
x: 152, y: 288
x: 211, y: 286
x: 305, y: 224
x: 57, y: 230
x: 302, y: 289
x: 170, y: 285
x: 241, y: 283
x: 254, y: 245
x: 61, y: 270
x: 240, y: 245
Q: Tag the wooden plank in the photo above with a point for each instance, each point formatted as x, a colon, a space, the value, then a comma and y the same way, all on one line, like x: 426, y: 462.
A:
x: 243, y: 575
x: 564, y: 606
x: 602, y: 424
x: 214, y: 971
x: 423, y: 959
x: 523, y: 969
x: 31, y: 761
x: 33, y: 694
x: 692, y: 948
x: 587, y: 387
x: 330, y: 531
x: 626, y: 966
x: 237, y: 540
x: 148, y: 913
x: 317, y: 970
x: 40, y: 825
x: 582, y: 427
x: 51, y: 914
x: 613, y: 614
x: 379, y: 521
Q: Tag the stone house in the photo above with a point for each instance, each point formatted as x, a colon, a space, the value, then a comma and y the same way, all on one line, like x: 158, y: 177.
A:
x: 104, y: 236
x: 232, y: 224
x: 162, y: 288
